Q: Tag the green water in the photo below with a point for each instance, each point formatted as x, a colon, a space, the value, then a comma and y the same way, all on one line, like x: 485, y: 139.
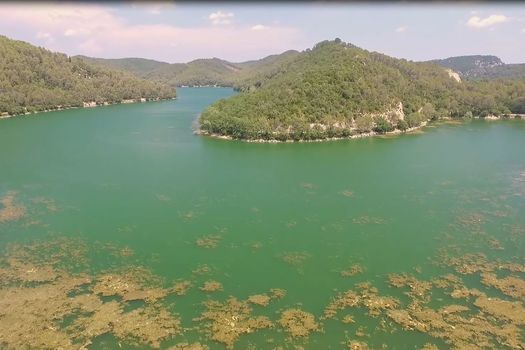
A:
x: 136, y: 176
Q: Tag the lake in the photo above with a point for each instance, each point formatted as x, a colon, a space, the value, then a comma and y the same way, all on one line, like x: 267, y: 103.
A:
x: 403, y: 242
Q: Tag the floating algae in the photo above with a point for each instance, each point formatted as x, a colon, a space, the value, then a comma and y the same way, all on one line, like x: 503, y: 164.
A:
x: 298, y: 323
x: 115, y: 250
x: 38, y: 294
x: 210, y: 241
x: 295, y: 258
x: 49, y: 204
x: 418, y: 288
x: 188, y: 346
x: 211, y: 286
x: 277, y: 293
x: 201, y: 270
x: 352, y: 271
x: 259, y: 299
x: 231, y: 319
x: 9, y: 210
x: 131, y: 284
x: 44, y: 305
x: 367, y: 297
x: 147, y: 325
x: 365, y: 220
x: 181, y: 288
x: 512, y: 286
x: 348, y: 319
x: 31, y: 317
x: 357, y: 345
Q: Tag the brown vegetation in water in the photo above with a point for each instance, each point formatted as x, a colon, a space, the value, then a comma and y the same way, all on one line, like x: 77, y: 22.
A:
x: 43, y: 304
x: 298, y: 323
x: 259, y: 299
x: 211, y: 286
x: 295, y: 258
x: 352, y: 271
x: 9, y: 210
x: 32, y: 314
x: 229, y: 320
x: 210, y: 241
x: 277, y: 293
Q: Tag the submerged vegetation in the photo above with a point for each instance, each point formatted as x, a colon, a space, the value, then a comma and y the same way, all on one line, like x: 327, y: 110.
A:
x: 338, y: 90
x: 46, y: 304
x: 51, y: 297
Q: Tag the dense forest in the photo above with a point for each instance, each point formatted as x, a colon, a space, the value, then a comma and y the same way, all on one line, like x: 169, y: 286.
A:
x: 338, y: 90
x: 201, y: 72
x: 482, y: 67
x: 35, y: 79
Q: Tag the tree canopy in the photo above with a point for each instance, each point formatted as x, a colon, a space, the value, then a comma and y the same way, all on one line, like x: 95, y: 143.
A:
x: 35, y: 79
x: 337, y: 89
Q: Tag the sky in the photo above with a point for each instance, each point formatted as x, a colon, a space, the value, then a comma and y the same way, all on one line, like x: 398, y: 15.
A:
x: 236, y: 31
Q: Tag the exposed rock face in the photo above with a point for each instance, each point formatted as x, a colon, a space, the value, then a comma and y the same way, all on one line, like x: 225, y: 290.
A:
x: 453, y: 75
x: 393, y: 115
x: 90, y: 104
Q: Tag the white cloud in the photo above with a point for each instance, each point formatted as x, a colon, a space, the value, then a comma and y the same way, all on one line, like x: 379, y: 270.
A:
x: 523, y: 30
x: 96, y: 30
x: 477, y: 22
x: 401, y: 29
x: 220, y: 17
x: 258, y: 27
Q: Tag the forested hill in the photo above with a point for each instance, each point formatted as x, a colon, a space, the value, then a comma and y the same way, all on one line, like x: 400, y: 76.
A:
x: 137, y: 66
x: 478, y: 67
x: 35, y: 79
x: 338, y: 90
x: 201, y: 72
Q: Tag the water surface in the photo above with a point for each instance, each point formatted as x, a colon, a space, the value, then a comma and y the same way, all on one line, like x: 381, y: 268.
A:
x: 289, y: 216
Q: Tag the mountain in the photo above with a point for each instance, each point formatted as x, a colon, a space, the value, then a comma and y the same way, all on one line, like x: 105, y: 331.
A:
x: 338, y: 90
x: 35, y: 79
x: 200, y: 72
x: 137, y: 66
x: 482, y: 67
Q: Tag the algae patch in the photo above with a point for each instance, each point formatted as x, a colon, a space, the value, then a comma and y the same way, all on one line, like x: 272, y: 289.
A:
x: 9, y: 209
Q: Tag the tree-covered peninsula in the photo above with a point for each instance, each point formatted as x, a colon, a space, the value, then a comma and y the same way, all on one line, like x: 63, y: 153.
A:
x: 34, y: 79
x: 339, y: 90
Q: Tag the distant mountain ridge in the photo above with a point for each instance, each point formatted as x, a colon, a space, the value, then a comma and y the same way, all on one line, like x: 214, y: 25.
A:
x: 482, y: 67
x: 135, y: 65
x: 201, y: 72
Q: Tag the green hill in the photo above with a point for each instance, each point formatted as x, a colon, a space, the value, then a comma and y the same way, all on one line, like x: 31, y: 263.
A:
x: 201, y: 72
x: 137, y: 66
x: 35, y: 79
x: 478, y: 67
x: 337, y: 90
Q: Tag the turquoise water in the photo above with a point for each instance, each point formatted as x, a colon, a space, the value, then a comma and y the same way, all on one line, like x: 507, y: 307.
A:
x: 137, y: 176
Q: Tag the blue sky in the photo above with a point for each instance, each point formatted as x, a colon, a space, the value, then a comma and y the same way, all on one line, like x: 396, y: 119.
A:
x: 180, y: 32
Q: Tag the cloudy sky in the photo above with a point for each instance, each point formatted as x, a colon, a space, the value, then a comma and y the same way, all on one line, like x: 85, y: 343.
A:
x: 180, y: 32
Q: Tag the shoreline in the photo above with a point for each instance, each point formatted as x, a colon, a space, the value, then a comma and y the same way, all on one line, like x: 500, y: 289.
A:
x: 85, y: 106
x: 362, y: 135
x: 356, y: 136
